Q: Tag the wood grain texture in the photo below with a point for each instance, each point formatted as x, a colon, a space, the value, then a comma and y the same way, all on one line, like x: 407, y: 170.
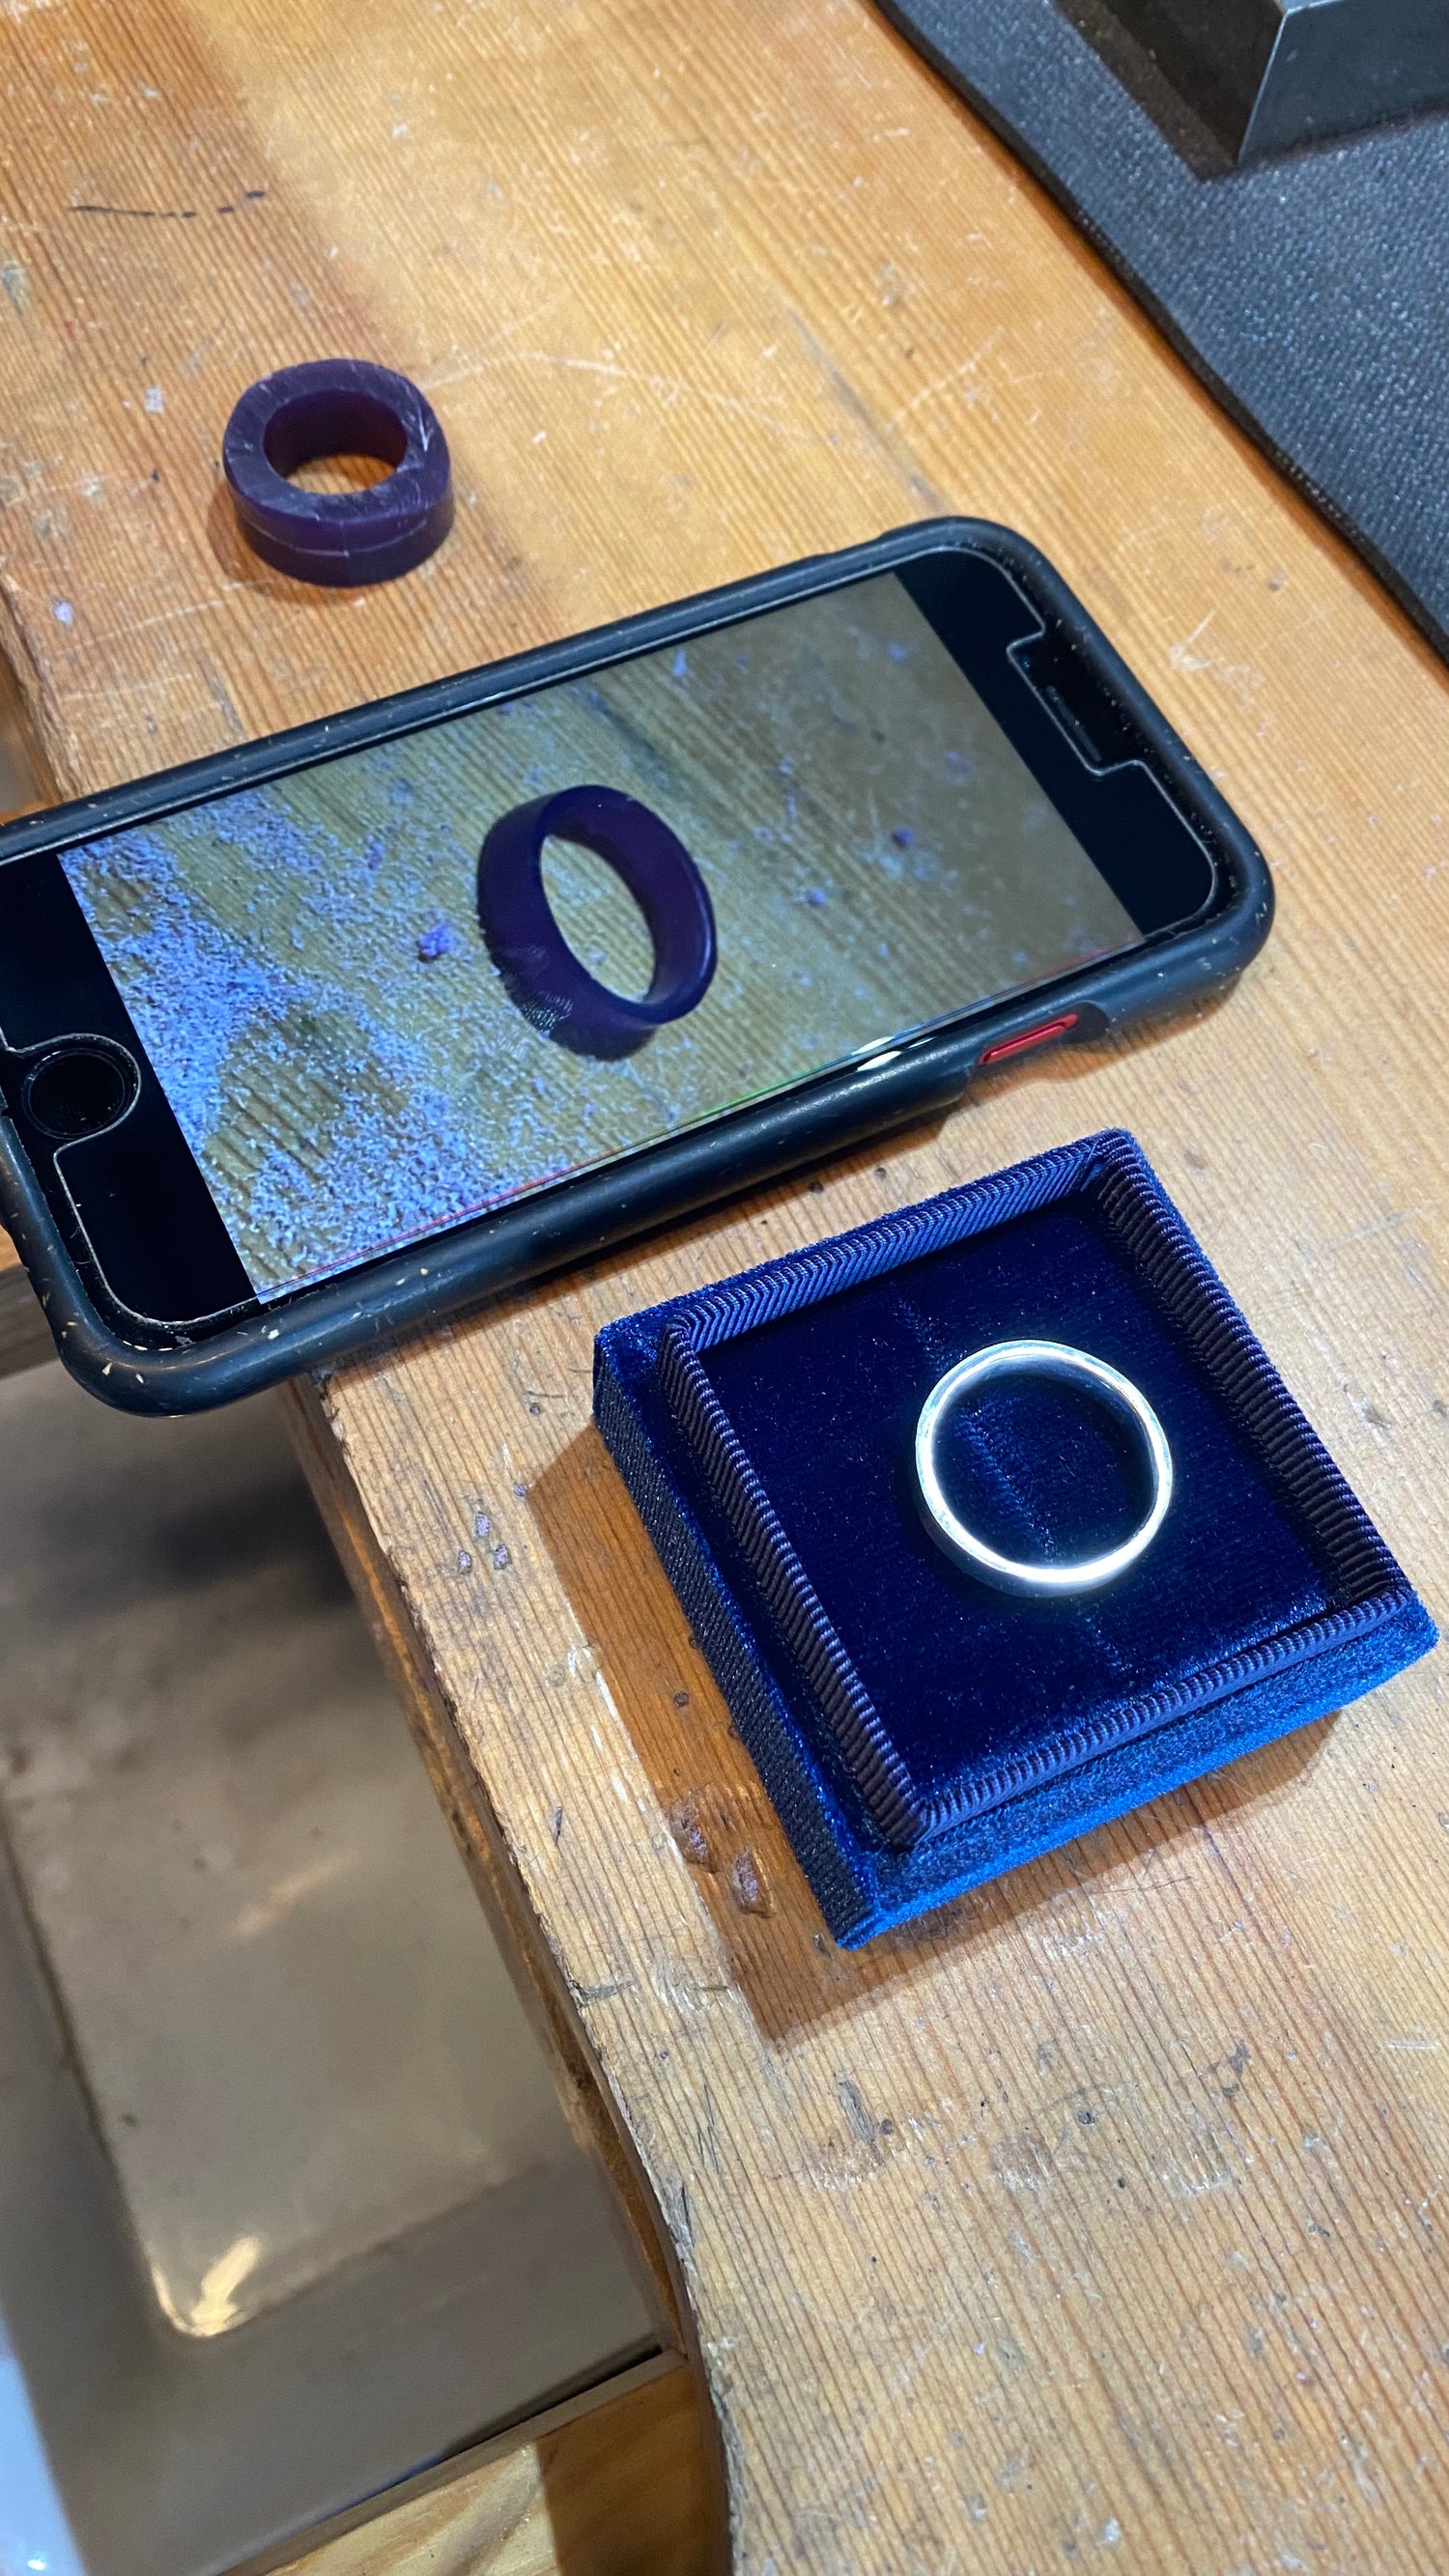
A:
x: 619, y: 2491
x: 25, y: 1336
x: 23, y: 783
x: 1099, y: 2216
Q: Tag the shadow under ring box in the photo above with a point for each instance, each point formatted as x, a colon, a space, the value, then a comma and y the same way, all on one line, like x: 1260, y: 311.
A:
x: 917, y: 1731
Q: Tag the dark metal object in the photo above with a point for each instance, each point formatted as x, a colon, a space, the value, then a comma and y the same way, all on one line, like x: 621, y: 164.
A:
x: 339, y: 407
x: 1265, y: 75
x: 1311, y: 295
x: 543, y: 976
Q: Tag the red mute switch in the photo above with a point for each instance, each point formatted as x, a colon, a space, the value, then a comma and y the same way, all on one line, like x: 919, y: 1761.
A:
x: 1030, y: 1038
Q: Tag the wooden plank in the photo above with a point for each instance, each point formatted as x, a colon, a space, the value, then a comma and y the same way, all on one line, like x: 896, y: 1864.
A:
x: 23, y: 782
x: 618, y: 2490
x: 1099, y: 2213
x: 25, y: 1336
x: 460, y: 1794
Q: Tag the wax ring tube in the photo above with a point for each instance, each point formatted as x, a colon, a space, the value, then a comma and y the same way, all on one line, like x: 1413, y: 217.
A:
x: 338, y: 407
x: 543, y: 976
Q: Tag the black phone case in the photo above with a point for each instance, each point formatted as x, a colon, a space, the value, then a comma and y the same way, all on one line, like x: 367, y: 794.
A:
x: 575, y: 1219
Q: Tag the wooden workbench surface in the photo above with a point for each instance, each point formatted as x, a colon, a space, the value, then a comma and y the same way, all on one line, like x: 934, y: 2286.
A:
x: 1101, y: 2214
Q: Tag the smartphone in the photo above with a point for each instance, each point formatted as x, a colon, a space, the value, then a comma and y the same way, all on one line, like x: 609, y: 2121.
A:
x: 311, y: 1041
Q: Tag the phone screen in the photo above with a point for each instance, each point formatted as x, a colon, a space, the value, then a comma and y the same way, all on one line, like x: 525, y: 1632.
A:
x: 305, y: 964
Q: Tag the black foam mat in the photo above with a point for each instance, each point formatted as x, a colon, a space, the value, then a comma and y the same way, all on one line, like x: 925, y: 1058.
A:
x: 1311, y: 293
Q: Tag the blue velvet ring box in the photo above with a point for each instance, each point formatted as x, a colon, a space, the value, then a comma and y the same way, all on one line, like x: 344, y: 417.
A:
x: 918, y: 1732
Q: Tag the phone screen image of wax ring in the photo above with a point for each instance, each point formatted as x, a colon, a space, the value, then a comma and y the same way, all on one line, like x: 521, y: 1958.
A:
x: 549, y: 984
x: 363, y: 1045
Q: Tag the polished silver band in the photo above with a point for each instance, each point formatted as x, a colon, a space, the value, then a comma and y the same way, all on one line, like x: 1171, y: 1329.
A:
x: 1038, y: 1359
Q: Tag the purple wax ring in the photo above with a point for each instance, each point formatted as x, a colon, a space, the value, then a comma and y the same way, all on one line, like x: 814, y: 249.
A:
x: 542, y: 974
x: 338, y: 407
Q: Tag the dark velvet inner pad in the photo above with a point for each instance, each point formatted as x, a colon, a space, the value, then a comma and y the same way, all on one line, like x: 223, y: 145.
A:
x: 825, y: 1401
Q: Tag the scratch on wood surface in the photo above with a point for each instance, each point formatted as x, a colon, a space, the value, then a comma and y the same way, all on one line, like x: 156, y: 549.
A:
x: 140, y: 214
x: 858, y: 2118
x: 879, y: 432
x: 1181, y: 655
x: 674, y: 2192
x: 165, y: 617
x: 1377, y: 1225
x: 943, y: 384
x: 161, y: 214
x: 669, y: 388
x: 605, y: 1993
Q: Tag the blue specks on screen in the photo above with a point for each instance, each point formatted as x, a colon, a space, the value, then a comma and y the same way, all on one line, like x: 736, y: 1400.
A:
x: 305, y: 968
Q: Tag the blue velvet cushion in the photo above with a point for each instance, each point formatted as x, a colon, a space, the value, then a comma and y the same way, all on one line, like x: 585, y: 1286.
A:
x: 918, y: 1731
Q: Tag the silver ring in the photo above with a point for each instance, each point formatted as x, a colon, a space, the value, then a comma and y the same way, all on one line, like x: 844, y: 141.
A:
x: 1038, y: 1359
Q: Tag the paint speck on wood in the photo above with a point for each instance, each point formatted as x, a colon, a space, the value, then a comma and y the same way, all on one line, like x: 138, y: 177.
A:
x: 747, y: 1881
x: 687, y: 1827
